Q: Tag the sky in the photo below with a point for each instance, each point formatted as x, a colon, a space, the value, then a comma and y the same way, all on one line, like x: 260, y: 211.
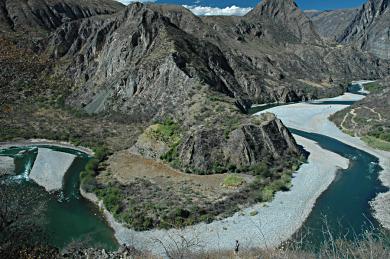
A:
x: 241, y: 7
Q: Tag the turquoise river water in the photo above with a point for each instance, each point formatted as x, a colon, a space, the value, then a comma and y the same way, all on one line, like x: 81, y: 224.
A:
x: 68, y: 216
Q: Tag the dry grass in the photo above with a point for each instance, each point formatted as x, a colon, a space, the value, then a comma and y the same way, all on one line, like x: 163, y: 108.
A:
x: 126, y: 167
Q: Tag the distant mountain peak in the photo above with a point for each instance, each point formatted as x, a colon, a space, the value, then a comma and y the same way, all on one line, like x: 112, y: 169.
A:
x: 288, y: 14
x: 274, y: 7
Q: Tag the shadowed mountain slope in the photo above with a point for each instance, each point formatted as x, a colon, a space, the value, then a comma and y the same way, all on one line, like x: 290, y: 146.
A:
x: 330, y: 24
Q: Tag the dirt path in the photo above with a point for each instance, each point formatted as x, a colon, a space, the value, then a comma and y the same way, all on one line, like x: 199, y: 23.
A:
x: 375, y: 112
x: 353, y: 114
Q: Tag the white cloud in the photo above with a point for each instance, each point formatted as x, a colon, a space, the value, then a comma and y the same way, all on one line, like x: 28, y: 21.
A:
x: 204, y: 10
x: 126, y: 2
x: 207, y: 10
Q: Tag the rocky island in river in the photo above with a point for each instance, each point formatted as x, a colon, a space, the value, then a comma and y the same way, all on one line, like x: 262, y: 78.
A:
x: 163, y: 99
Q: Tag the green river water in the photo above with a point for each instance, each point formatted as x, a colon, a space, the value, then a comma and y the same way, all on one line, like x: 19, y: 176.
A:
x: 68, y: 217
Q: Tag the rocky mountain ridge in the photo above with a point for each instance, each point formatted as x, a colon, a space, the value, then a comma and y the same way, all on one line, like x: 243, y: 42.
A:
x: 288, y: 14
x: 249, y: 68
x: 47, y: 15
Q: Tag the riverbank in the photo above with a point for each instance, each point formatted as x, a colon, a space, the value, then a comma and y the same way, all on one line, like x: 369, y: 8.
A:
x: 314, y: 119
x: 265, y: 225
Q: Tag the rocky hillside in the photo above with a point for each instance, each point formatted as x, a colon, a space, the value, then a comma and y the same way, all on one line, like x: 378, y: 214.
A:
x: 47, y: 15
x: 145, y: 63
x: 261, y: 57
x: 330, y: 24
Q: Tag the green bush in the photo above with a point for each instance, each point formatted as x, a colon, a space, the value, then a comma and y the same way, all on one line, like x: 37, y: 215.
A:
x: 167, y: 132
x: 87, y: 177
x: 112, y: 198
x: 101, y: 153
x: 262, y: 169
x: 267, y: 194
x: 92, y: 166
x: 373, y: 87
x: 233, y: 181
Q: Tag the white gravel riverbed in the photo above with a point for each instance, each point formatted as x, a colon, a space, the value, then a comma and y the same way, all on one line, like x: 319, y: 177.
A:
x: 50, y: 167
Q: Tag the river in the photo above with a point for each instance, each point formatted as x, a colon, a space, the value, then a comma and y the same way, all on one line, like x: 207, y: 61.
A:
x: 68, y: 216
x: 343, y: 208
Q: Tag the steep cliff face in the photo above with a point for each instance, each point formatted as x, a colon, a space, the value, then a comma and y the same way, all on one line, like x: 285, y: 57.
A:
x: 370, y: 28
x: 47, y: 15
x: 331, y: 23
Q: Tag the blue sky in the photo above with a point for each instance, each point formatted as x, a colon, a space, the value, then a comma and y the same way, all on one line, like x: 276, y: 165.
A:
x: 240, y: 7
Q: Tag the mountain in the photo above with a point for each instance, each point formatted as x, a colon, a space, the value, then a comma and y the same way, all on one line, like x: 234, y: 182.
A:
x: 256, y: 58
x: 331, y: 23
x: 287, y: 14
x: 150, y: 62
x: 47, y: 15
x: 370, y: 28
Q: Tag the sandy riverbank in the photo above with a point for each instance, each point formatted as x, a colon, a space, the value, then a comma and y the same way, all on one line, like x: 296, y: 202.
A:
x: 50, y: 167
x: 274, y: 223
x: 314, y: 118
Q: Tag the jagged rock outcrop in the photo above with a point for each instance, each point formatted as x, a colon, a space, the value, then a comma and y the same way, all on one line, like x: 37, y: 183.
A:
x: 245, y: 146
x: 331, y: 23
x: 31, y: 15
x: 370, y: 28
